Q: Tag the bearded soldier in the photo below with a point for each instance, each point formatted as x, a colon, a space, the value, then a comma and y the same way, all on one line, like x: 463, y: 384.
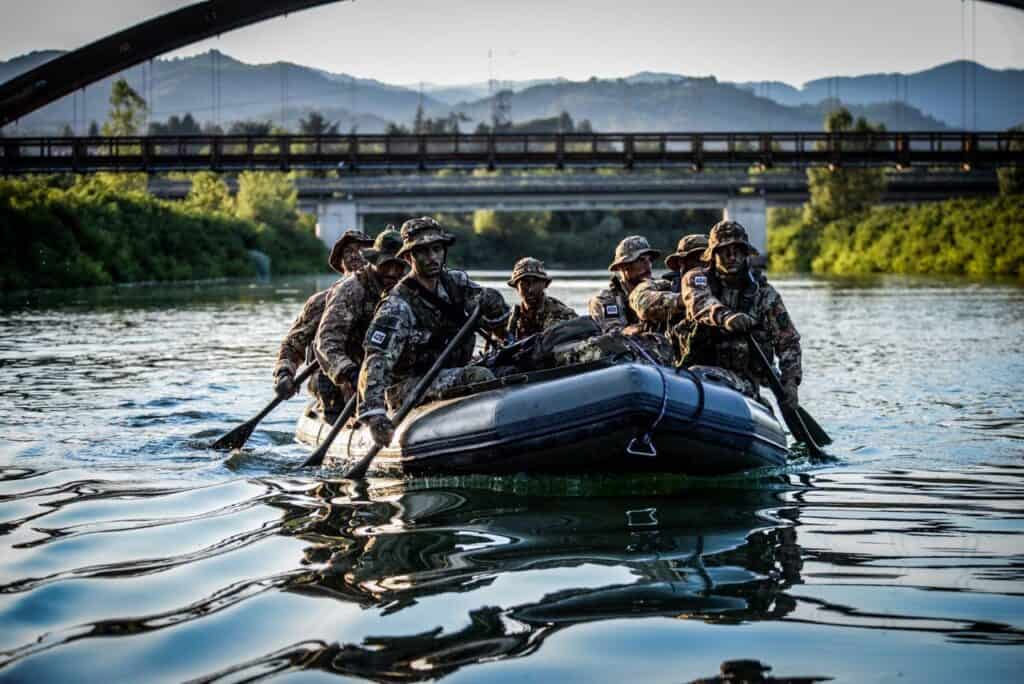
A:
x: 349, y: 309
x: 415, y: 323
x: 537, y: 311
x: 346, y: 257
x: 686, y: 258
x: 726, y: 300
x: 630, y: 267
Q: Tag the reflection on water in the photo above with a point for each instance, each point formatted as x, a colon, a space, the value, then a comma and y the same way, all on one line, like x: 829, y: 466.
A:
x: 126, y: 546
x: 399, y: 581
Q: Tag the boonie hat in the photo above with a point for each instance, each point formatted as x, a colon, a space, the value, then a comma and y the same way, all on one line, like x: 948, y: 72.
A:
x: 688, y: 245
x: 347, y: 237
x: 631, y: 249
x: 727, y: 233
x: 422, y: 231
x: 528, y: 267
x: 386, y: 246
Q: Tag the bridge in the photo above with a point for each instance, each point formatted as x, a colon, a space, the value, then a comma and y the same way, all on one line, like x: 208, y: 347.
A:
x: 343, y: 202
x: 509, y: 150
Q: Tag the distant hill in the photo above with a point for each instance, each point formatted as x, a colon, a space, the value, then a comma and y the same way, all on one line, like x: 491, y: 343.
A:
x: 936, y: 91
x: 643, y: 101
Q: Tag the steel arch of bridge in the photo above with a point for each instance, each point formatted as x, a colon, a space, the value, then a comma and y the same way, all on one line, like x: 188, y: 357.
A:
x: 69, y: 72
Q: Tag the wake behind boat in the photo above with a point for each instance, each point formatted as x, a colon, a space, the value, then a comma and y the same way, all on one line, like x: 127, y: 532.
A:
x: 628, y: 417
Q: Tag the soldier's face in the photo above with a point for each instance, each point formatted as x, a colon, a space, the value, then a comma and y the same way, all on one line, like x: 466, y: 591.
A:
x: 531, y: 290
x: 352, y: 258
x: 427, y: 260
x: 691, y: 262
x: 637, y: 271
x: 390, y: 272
x: 731, y: 259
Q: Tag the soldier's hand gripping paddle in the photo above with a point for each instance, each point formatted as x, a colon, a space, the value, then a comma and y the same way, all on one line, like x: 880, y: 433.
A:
x: 357, y: 471
x: 793, y: 417
x: 237, y: 437
x: 317, y: 457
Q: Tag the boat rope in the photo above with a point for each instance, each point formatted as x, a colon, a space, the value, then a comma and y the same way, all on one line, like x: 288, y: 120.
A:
x: 647, y: 447
x: 699, y: 385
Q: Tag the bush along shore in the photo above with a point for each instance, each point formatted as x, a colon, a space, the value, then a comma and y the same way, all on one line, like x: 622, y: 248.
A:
x: 98, y: 230
x: 978, y: 238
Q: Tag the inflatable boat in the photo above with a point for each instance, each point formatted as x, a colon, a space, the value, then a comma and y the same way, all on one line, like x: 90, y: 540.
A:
x: 597, y: 417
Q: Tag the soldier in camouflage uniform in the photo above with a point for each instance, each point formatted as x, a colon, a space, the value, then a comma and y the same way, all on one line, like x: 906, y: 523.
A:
x: 346, y: 254
x: 631, y: 266
x: 414, y: 325
x: 537, y: 311
x: 350, y: 306
x: 687, y: 257
x: 726, y: 300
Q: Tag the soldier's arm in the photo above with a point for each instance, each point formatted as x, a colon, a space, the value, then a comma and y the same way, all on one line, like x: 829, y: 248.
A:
x: 302, y: 332
x: 493, y: 306
x: 785, y: 338
x: 701, y: 305
x: 384, y: 343
x: 562, y: 312
x: 654, y: 302
x: 336, y: 325
x: 605, y: 311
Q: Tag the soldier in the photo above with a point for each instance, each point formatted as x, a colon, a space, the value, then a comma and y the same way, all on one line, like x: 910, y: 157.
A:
x: 631, y: 266
x: 414, y: 325
x: 349, y: 309
x: 537, y: 311
x: 726, y: 299
x: 345, y: 254
x: 686, y: 258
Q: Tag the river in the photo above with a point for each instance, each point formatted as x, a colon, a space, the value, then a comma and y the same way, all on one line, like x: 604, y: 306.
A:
x: 132, y: 552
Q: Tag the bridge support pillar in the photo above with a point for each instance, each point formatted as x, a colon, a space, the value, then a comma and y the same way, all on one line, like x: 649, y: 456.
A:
x: 334, y: 217
x: 750, y: 211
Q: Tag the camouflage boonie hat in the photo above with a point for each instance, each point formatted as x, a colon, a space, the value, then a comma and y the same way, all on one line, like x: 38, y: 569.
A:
x: 688, y: 245
x: 347, y: 237
x: 727, y: 233
x: 631, y: 249
x: 385, y: 247
x: 422, y: 231
x: 528, y: 267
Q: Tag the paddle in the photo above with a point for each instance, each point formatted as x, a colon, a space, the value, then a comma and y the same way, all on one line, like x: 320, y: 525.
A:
x: 317, y: 457
x: 793, y: 418
x: 237, y: 437
x: 357, y: 471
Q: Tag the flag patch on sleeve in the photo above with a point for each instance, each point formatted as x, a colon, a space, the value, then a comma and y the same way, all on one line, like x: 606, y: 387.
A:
x: 611, y: 309
x: 378, y: 337
x: 700, y: 280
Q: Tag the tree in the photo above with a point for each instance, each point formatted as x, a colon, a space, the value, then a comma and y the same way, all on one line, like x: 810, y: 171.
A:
x: 267, y: 197
x: 185, y: 125
x: 127, y: 110
x: 210, y: 194
x: 1011, y: 178
x: 839, y: 193
x: 67, y: 131
x: 94, y: 129
x: 250, y: 128
x: 315, y: 124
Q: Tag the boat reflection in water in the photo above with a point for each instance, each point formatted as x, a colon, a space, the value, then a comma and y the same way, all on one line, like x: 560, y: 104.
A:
x: 715, y: 555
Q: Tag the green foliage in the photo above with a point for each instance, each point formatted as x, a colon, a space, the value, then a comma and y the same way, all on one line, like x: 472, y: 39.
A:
x: 1011, y: 178
x: 185, y: 125
x: 96, y: 232
x: 210, y: 194
x: 267, y: 197
x: 127, y: 110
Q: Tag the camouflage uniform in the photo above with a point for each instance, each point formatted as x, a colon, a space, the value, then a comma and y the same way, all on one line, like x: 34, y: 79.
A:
x: 680, y: 326
x: 655, y: 304
x: 710, y: 300
x: 408, y: 332
x: 350, y: 306
x: 611, y: 307
x: 523, y: 323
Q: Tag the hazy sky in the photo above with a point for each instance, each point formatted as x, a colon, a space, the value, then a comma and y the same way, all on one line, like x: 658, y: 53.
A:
x: 447, y: 41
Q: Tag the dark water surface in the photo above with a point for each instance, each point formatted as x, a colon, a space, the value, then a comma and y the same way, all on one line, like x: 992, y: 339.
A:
x: 130, y: 552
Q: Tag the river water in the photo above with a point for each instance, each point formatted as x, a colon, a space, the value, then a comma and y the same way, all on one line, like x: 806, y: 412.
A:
x: 131, y: 552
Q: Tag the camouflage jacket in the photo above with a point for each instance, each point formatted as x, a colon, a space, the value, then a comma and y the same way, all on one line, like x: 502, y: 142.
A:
x: 610, y: 307
x: 300, y: 336
x: 523, y: 324
x: 709, y: 301
x: 655, y: 304
x: 408, y: 333
x: 350, y: 306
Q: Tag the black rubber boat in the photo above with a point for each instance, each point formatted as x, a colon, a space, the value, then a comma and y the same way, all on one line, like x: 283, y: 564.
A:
x: 627, y: 417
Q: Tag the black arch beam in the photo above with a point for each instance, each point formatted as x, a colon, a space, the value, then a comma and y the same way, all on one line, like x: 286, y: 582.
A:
x: 69, y: 72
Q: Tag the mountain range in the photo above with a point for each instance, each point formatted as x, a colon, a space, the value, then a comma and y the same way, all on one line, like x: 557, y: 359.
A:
x: 927, y: 100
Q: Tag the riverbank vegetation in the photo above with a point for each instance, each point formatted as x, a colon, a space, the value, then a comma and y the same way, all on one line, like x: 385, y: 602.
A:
x: 842, y: 230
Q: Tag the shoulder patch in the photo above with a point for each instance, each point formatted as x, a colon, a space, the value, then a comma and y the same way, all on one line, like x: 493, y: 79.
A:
x: 377, y: 337
x: 700, y: 280
x: 611, y: 309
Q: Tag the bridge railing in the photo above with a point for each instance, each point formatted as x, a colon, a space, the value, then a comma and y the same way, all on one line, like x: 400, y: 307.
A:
x: 508, y: 150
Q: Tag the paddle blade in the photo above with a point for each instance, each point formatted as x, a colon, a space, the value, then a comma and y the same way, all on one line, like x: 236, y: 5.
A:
x: 236, y: 438
x: 816, y: 431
